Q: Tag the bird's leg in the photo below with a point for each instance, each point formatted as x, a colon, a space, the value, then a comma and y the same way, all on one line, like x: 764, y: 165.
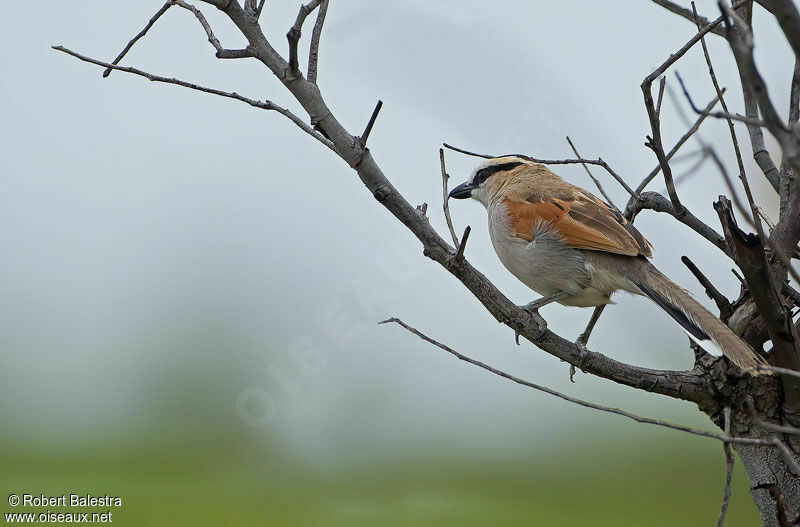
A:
x: 536, y: 304
x: 583, y: 338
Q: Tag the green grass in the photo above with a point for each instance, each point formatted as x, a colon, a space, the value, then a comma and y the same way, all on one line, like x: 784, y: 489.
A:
x: 672, y: 484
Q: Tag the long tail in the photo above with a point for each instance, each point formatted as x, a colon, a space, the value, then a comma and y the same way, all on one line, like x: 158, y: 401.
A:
x: 708, y: 331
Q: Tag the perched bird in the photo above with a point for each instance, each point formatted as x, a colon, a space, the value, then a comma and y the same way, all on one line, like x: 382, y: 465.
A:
x: 573, y: 248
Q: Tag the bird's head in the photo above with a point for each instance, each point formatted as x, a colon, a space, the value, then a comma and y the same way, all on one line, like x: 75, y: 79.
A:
x: 491, y: 176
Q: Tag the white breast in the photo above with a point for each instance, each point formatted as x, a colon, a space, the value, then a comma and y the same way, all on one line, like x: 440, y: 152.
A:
x: 546, y: 264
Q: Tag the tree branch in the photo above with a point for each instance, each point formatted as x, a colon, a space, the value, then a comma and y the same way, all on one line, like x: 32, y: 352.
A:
x: 316, y: 34
x: 725, y: 438
x: 689, y: 133
x: 446, y: 199
x: 598, y: 162
x: 723, y: 304
x: 785, y: 12
x: 264, y: 105
x: 657, y: 202
x: 591, y: 176
x: 293, y: 36
x: 139, y: 35
x: 726, y: 496
x: 687, y: 14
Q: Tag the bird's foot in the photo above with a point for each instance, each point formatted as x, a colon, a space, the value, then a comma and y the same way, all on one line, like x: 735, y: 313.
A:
x: 581, y: 341
x: 533, y: 307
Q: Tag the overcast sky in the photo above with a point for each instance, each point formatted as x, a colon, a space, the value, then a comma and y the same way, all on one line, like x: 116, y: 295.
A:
x: 151, y: 233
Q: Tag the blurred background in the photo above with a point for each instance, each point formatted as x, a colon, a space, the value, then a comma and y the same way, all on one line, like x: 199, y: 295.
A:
x: 190, y: 286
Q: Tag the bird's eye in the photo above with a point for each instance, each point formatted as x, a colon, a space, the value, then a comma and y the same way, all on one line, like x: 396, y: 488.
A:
x: 484, y: 173
x: 481, y: 176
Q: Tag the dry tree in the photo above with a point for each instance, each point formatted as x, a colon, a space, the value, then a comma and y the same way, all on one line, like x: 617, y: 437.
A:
x: 758, y: 415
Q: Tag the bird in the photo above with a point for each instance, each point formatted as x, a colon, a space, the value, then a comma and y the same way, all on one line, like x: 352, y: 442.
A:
x: 575, y: 249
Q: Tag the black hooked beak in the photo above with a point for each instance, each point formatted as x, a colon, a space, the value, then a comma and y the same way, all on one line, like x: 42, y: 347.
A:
x: 463, y: 191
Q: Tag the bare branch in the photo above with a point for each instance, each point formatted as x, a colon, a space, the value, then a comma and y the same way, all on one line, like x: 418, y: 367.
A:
x: 788, y: 455
x: 598, y: 162
x: 673, y: 58
x: 655, y: 144
x: 726, y: 496
x: 264, y: 105
x: 260, y: 8
x: 788, y: 17
x: 203, y: 22
x: 689, y: 133
x: 794, y: 94
x: 768, y: 240
x: 654, y: 141
x: 591, y: 176
x: 723, y: 304
x: 316, y: 34
x: 446, y: 199
x: 719, y: 115
x: 687, y: 14
x: 661, y: 85
x: 657, y: 202
x: 467, y: 152
x: 726, y: 438
x: 368, y: 129
x: 741, y: 43
x: 734, y: 141
x: 463, y: 245
x: 139, y: 35
x: 293, y: 36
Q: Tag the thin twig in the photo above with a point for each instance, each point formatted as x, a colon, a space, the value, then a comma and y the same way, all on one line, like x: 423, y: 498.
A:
x: 788, y: 455
x: 734, y: 141
x: 794, y: 94
x: 445, y: 199
x: 691, y: 171
x: 221, y: 52
x: 673, y: 58
x: 139, y: 35
x: 264, y: 105
x: 687, y: 14
x: 293, y: 36
x: 316, y: 34
x: 726, y: 438
x: 598, y: 162
x: 657, y: 202
x: 661, y: 85
x: 467, y: 152
x: 203, y: 22
x: 728, y: 116
x: 689, y: 133
x: 259, y: 9
x: 768, y: 240
x: 723, y: 304
x: 654, y: 141
x: 655, y: 144
x: 591, y: 176
x: 368, y: 129
x: 726, y: 496
x: 463, y: 245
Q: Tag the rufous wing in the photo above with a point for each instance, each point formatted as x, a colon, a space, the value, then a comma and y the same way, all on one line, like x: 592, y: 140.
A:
x: 581, y: 219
